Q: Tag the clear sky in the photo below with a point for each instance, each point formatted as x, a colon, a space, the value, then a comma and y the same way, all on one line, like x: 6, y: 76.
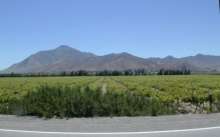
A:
x: 145, y: 28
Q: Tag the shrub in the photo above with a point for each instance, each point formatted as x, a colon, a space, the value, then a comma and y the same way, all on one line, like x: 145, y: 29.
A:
x: 63, y: 101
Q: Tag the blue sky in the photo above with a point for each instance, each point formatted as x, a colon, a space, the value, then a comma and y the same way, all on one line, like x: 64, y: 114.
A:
x: 142, y: 27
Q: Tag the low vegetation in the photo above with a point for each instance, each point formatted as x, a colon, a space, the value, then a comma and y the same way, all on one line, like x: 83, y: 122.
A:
x: 109, y: 96
x: 65, y: 101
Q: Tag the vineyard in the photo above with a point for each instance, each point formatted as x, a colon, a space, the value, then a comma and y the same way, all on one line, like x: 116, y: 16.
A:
x: 109, y: 96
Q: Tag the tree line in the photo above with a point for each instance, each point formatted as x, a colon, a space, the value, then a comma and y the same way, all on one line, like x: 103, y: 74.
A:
x: 174, y: 72
x: 129, y: 72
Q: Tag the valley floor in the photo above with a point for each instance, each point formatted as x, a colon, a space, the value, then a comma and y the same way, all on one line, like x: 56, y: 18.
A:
x: 110, y: 96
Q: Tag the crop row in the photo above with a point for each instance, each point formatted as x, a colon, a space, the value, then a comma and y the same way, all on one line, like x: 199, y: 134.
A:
x: 110, y: 96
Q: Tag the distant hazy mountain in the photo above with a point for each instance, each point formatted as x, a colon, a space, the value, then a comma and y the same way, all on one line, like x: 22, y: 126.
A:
x: 65, y: 58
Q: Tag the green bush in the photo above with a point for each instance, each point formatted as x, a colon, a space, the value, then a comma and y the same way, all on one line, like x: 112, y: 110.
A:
x: 63, y: 101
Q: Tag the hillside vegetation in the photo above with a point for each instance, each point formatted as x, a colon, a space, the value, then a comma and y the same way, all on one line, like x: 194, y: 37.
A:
x: 68, y: 59
x: 109, y: 96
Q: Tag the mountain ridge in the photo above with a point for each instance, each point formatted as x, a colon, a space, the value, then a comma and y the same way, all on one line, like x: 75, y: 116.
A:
x: 65, y: 58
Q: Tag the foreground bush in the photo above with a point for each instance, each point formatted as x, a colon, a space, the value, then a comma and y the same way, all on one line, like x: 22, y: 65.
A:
x: 65, y: 101
x: 79, y: 101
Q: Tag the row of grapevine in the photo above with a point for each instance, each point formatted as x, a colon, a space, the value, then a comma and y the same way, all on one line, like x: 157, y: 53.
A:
x: 200, y: 93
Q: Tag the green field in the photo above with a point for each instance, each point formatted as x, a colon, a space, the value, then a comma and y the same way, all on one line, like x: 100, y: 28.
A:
x: 109, y: 96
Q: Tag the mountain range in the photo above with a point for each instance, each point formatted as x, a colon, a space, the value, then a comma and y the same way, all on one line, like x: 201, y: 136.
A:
x: 65, y: 58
